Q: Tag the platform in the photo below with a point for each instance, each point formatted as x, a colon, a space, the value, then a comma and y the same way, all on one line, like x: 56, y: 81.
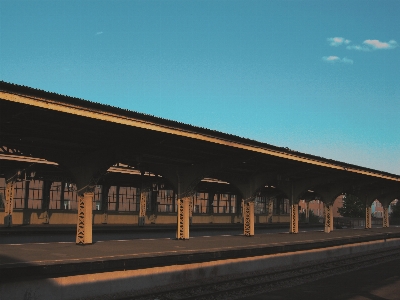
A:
x: 24, y: 261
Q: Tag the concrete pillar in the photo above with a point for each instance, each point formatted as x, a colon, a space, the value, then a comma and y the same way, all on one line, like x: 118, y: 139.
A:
x: 142, y: 208
x: 368, y: 221
x: 331, y: 216
x: 294, y: 218
x: 183, y: 219
x: 85, y: 214
x: 248, y: 218
x: 328, y: 219
x: 385, y: 216
x: 9, y: 205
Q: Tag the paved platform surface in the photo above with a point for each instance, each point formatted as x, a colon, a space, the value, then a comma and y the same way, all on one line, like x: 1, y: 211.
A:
x: 19, y: 261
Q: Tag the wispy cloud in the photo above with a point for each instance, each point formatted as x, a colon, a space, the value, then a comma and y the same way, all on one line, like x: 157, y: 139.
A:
x: 358, y: 48
x: 331, y: 58
x: 367, y: 45
x: 376, y: 44
x: 337, y: 41
x: 99, y: 32
x: 335, y: 59
x: 347, y: 60
x: 370, y: 45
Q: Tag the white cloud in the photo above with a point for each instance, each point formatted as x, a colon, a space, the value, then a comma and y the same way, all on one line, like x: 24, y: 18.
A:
x: 99, y: 32
x: 330, y: 58
x: 376, y: 44
x: 337, y: 41
x: 369, y: 45
x: 335, y: 59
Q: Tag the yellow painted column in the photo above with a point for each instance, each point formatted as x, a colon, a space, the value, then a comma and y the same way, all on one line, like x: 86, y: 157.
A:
x: 294, y: 218
x: 142, y: 208
x: 183, y: 219
x: 327, y: 212
x: 270, y: 210
x: 385, y: 217
x: 9, y: 205
x: 248, y: 218
x: 85, y: 215
x: 331, y: 216
x: 368, y: 219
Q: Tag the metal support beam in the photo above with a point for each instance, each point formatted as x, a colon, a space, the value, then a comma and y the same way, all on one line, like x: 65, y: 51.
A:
x: 62, y: 199
x: 328, y: 219
x: 9, y: 205
x: 185, y: 180
x: 85, y: 212
x: 104, y: 202
x: 46, y: 200
x: 307, y: 211
x: 26, y: 194
x: 153, y: 198
x: 386, y: 200
x: 294, y: 218
x: 117, y: 198
x: 248, y: 218
x: 211, y: 202
x: 270, y: 209
x: 385, y: 216
x: 368, y: 223
x: 191, y: 210
x: 183, y: 219
x: 239, y: 205
x: 142, y: 208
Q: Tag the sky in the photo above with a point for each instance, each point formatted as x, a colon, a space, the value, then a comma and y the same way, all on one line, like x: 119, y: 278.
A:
x: 318, y: 77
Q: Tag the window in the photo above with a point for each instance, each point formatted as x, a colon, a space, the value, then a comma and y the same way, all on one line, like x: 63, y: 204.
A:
x: 97, y: 205
x: 127, y: 196
x: 260, y: 205
x: 70, y: 196
x: 35, y: 196
x: 19, y: 194
x: 67, y: 204
x: 55, y: 196
x: 201, y: 202
x: 165, y: 199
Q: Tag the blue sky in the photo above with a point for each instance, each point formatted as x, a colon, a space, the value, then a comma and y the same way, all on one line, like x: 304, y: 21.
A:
x: 320, y: 77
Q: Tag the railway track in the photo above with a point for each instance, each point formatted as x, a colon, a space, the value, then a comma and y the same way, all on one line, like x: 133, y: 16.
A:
x: 233, y: 287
